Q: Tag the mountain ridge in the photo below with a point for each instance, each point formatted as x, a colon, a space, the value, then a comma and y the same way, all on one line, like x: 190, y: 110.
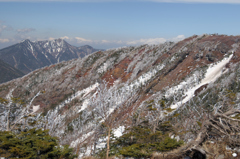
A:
x: 28, y: 56
x: 8, y: 72
x: 138, y: 84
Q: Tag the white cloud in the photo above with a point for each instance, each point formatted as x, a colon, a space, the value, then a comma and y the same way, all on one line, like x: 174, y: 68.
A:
x: 51, y: 38
x: 98, y: 43
x: 69, y: 39
x: 25, y: 30
x: 65, y: 37
x: 168, y: 1
x: 178, y: 38
x: 150, y: 41
x: 4, y: 40
x: 4, y: 28
x: 82, y: 40
x: 105, y: 41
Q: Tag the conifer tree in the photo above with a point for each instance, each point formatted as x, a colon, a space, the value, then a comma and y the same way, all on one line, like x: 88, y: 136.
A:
x: 32, y: 144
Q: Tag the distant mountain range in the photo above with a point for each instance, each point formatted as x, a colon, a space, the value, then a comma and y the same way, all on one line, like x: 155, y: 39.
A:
x: 28, y: 55
x: 8, y: 72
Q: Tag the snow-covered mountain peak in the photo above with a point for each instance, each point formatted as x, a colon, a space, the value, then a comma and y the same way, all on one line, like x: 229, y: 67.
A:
x: 26, y: 40
x: 33, y: 55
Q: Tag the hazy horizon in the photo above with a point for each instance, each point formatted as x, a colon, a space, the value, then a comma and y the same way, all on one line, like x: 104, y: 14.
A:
x: 107, y: 24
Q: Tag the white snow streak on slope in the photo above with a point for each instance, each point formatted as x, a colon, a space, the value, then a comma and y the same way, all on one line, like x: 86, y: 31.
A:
x: 83, y: 93
x: 119, y: 131
x: 9, y: 95
x: 86, y: 91
x: 213, y: 73
x: 145, y: 77
x: 53, y: 116
x: 47, y: 57
x: 142, y: 80
x: 30, y: 47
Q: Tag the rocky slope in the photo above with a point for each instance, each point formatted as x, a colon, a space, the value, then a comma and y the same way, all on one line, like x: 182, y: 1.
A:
x: 28, y: 56
x: 192, y: 76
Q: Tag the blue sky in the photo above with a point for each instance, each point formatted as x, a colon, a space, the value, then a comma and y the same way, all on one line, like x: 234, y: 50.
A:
x: 115, y: 23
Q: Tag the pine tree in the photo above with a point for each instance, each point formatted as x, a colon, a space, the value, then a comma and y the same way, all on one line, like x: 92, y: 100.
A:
x: 32, y: 144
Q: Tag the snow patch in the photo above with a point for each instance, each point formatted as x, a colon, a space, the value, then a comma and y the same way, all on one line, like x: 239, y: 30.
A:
x: 9, y: 95
x: 82, y: 93
x: 36, y: 108
x: 59, y: 49
x: 213, y: 73
x: 142, y: 80
x: 119, y: 131
x: 101, y: 143
x: 104, y: 67
x: 30, y: 47
x: 234, y: 154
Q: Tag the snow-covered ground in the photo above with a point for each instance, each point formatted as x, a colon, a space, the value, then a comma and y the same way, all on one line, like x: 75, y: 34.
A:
x: 213, y: 73
x: 54, y: 118
x: 101, y: 142
x: 142, y: 80
x: 78, y: 94
x: 9, y: 95
x: 105, y: 66
x: 119, y: 131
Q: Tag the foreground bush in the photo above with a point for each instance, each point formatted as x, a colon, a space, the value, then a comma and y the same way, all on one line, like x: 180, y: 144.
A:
x: 141, y: 142
x: 32, y: 144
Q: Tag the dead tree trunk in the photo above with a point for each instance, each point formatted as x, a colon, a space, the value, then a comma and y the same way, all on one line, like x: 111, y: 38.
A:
x: 8, y: 120
x: 108, y: 142
x: 223, y: 123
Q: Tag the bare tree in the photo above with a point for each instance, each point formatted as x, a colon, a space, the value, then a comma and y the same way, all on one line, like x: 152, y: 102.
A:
x: 219, y: 124
x: 15, y: 112
x: 107, y: 103
x: 219, y: 120
x: 155, y: 113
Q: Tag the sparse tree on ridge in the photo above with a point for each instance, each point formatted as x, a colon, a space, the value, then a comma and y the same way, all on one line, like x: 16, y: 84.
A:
x: 107, y: 103
x: 15, y: 112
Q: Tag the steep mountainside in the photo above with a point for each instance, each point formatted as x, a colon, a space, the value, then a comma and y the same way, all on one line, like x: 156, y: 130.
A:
x: 8, y: 72
x: 86, y: 50
x: 178, y: 83
x: 28, y: 56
